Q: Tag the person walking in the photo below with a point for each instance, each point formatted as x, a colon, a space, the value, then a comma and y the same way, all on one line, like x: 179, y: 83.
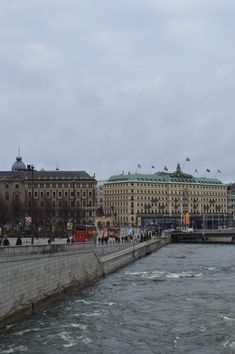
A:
x: 6, y: 242
x: 19, y: 241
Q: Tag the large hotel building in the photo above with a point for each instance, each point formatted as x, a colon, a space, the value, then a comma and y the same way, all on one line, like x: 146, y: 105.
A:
x: 165, y: 198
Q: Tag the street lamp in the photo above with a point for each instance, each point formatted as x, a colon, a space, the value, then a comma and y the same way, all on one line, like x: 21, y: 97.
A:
x: 74, y: 199
x: 31, y: 168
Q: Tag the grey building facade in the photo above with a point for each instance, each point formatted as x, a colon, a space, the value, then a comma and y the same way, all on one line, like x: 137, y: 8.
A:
x: 53, y: 200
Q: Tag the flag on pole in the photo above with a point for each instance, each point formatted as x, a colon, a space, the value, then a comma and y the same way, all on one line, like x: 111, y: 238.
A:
x: 196, y: 170
x: 207, y: 170
x: 138, y: 165
x: 219, y: 171
x: 186, y: 219
x: 187, y: 159
x: 165, y: 168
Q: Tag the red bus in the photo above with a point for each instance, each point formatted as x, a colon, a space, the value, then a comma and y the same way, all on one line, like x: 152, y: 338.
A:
x: 85, y: 233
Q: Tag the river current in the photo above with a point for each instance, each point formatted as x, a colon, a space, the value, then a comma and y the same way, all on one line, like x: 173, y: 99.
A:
x: 180, y: 299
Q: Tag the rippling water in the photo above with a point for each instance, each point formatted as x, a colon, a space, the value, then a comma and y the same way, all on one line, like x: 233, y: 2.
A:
x: 177, y: 300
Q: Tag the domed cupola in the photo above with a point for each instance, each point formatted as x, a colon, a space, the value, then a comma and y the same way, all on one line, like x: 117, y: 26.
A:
x: 18, y: 165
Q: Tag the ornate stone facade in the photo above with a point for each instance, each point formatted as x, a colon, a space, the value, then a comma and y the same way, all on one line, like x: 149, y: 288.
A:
x: 164, y: 198
x: 50, y: 198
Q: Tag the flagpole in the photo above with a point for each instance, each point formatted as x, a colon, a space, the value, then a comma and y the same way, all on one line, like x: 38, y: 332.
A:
x: 186, y: 160
x: 138, y: 166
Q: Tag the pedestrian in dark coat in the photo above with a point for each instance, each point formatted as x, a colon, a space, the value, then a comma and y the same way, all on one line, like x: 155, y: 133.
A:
x: 6, y: 242
x: 18, y: 241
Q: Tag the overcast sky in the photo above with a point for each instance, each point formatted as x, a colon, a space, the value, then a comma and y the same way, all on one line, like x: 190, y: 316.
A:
x: 105, y: 85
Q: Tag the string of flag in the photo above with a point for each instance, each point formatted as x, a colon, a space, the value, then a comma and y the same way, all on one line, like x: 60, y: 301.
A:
x: 187, y: 159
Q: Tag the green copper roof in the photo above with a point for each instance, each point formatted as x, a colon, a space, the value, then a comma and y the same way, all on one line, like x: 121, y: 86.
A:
x: 162, y: 177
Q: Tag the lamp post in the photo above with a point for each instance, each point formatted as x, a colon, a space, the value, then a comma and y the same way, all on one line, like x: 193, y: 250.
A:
x: 74, y: 200
x: 31, y: 168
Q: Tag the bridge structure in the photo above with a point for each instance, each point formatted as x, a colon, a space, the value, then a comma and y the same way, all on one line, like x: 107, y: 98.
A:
x: 204, y: 236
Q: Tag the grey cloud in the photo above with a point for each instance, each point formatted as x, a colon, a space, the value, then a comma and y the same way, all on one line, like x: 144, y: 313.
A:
x: 103, y: 86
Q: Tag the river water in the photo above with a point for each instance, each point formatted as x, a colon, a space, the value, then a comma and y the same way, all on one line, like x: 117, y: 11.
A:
x: 178, y: 300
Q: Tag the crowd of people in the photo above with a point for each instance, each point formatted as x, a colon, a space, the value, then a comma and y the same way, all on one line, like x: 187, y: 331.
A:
x: 111, y: 235
x: 107, y: 235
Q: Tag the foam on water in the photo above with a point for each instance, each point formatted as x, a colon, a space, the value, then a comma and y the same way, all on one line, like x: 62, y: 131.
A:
x: 21, y: 333
x: 153, y: 275
x: 84, y: 301
x: 76, y: 325
x: 20, y: 348
x: 162, y: 274
x: 70, y: 341
x: 176, y: 341
x: 85, y: 340
x: 208, y: 268
x: 9, y: 326
x: 229, y: 343
x: 95, y: 313
x: 173, y: 275
x: 136, y: 273
x: 202, y: 329
x: 109, y: 303
x: 227, y: 318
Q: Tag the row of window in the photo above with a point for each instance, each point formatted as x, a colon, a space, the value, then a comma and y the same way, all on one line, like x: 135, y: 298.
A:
x: 59, y: 194
x: 53, y: 185
x: 60, y: 185
x: 125, y: 193
x: 164, y: 211
x: 60, y: 204
x: 167, y: 185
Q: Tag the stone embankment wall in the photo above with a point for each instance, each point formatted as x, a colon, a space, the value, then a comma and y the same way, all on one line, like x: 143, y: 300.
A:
x: 32, y: 274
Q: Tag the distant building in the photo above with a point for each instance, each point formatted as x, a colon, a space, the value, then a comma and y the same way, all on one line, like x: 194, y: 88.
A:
x: 231, y: 203
x: 51, y: 198
x: 100, y: 197
x: 164, y: 198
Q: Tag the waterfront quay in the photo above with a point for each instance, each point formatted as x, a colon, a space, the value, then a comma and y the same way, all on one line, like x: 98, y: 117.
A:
x: 32, y: 274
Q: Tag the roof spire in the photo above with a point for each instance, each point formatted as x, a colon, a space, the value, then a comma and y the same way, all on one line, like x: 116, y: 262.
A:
x: 178, y: 168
